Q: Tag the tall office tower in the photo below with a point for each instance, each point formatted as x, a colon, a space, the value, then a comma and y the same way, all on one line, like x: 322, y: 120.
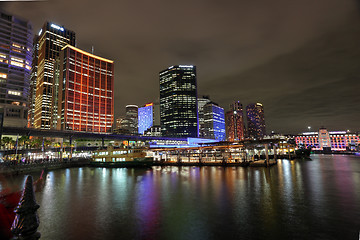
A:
x: 85, y: 92
x: 132, y: 117
x: 178, y: 101
x: 145, y: 117
x: 52, y: 38
x: 234, y: 122
x: 201, y: 103
x: 255, y: 120
x: 214, y: 122
x: 15, y: 67
x: 33, y: 76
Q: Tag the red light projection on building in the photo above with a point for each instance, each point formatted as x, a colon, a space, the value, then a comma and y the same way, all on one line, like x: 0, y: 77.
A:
x: 85, y: 92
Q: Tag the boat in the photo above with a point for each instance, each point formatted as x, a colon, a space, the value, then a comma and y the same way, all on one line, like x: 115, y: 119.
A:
x: 120, y: 157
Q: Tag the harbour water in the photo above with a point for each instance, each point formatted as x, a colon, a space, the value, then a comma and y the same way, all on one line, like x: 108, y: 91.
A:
x: 317, y: 199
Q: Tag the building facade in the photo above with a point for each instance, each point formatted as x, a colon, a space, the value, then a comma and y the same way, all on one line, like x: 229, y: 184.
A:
x: 33, y: 76
x: 234, y: 122
x: 85, y: 96
x: 214, y: 122
x: 15, y: 69
x: 201, y: 103
x: 178, y: 101
x: 324, y: 140
x: 132, y: 112
x: 52, y: 39
x: 256, y: 120
x: 145, y: 118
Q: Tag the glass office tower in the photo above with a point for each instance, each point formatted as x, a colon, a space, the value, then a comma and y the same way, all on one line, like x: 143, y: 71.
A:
x: 178, y: 101
x: 52, y: 38
x: 214, y: 122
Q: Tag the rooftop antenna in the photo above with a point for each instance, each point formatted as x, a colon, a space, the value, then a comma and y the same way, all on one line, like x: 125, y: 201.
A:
x: 92, y: 49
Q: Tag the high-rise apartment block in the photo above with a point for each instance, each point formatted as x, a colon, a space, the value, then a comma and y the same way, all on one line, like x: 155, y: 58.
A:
x: 214, y: 122
x: 178, y: 101
x: 256, y: 120
x: 52, y: 38
x: 83, y: 89
x: 234, y: 122
x: 15, y: 67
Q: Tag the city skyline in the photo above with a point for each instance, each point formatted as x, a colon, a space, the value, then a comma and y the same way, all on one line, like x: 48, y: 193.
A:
x: 276, y: 71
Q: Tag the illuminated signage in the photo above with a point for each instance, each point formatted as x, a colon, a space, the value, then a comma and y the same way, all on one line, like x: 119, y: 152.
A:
x: 310, y: 133
x: 186, y: 66
x: 259, y: 104
x: 57, y: 27
x: 149, y: 104
x: 338, y: 132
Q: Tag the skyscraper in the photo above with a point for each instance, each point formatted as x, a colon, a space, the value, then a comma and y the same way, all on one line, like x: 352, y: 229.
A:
x: 33, y: 76
x: 201, y: 103
x: 234, y: 122
x: 15, y: 67
x: 85, y: 97
x: 132, y: 118
x: 178, y: 101
x: 255, y: 120
x: 145, y: 117
x: 52, y: 38
x: 214, y: 122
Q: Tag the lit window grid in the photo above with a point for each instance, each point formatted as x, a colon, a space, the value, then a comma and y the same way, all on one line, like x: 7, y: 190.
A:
x: 178, y: 101
x: 85, y: 95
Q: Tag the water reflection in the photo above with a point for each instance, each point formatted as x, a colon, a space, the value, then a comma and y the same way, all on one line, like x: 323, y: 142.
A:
x: 315, y: 199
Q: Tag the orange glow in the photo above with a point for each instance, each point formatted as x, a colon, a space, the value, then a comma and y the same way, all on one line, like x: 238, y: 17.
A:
x: 88, y: 54
x: 149, y: 104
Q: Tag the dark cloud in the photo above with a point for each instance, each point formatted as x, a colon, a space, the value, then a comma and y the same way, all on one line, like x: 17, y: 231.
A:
x: 268, y: 51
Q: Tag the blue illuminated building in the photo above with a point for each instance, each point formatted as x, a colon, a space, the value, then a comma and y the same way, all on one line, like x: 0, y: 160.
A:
x: 15, y: 68
x: 145, y: 118
x: 214, y: 122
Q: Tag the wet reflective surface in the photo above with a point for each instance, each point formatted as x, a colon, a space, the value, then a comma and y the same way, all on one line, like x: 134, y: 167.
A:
x: 318, y: 199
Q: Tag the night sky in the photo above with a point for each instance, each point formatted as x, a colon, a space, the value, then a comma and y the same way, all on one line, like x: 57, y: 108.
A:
x: 300, y: 58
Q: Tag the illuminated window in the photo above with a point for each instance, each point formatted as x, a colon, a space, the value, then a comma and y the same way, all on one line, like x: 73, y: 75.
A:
x: 3, y: 75
x: 17, y: 64
x: 16, y: 93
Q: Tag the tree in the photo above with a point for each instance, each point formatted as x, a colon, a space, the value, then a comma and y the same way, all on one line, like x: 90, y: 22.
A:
x: 5, y: 141
x: 24, y: 141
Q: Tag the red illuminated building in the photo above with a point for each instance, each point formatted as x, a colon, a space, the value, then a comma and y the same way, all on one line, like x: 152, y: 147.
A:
x: 234, y: 122
x: 84, y: 96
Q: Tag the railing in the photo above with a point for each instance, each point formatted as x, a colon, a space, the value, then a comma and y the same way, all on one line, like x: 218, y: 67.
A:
x: 26, y: 220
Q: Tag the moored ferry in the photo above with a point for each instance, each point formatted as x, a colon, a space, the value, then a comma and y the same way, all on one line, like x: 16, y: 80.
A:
x: 110, y: 157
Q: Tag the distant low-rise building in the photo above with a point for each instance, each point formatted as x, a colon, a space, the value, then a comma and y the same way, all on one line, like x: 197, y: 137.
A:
x: 324, y: 140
